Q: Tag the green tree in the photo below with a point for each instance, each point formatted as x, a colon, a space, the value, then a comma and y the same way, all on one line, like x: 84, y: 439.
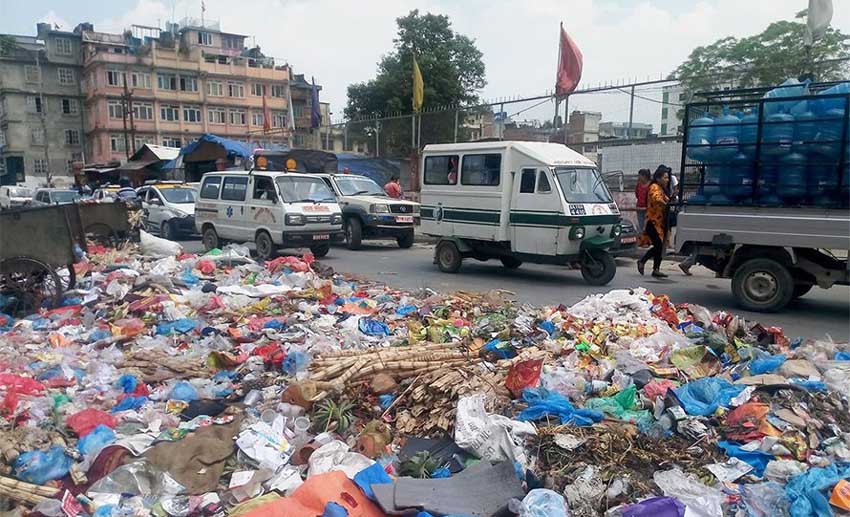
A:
x: 765, y: 59
x: 7, y: 44
x: 452, y: 70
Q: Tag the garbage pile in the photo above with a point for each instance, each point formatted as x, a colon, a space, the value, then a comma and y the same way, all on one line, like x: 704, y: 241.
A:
x: 182, y: 385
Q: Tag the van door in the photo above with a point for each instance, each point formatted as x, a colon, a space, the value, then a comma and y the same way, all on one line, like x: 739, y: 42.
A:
x: 535, y: 213
x: 233, y: 220
x: 263, y: 207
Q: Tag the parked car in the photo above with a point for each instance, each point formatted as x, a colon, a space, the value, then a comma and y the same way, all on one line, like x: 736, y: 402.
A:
x: 112, y: 193
x: 626, y: 244
x: 55, y: 196
x: 169, y: 208
x: 12, y: 196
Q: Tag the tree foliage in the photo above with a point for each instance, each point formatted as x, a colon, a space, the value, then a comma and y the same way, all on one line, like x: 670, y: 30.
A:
x: 765, y: 59
x: 452, y: 70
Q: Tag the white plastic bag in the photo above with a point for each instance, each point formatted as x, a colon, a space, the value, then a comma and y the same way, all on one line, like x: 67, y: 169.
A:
x: 701, y: 500
x: 541, y: 502
x: 491, y: 437
x: 153, y: 246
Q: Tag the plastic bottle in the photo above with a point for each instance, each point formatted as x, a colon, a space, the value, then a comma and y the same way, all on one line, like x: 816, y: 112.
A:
x: 822, y: 180
x: 768, y: 175
x: 805, y: 131
x: 739, y: 178
x: 727, y: 133
x: 791, y: 183
x: 777, y: 134
x: 749, y: 133
x: 700, y: 136
x: 828, y: 137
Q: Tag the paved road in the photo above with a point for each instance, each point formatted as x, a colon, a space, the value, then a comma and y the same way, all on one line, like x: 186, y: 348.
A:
x: 818, y: 313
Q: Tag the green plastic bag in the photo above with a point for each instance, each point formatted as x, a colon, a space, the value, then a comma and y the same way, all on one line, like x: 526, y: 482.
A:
x: 623, y: 405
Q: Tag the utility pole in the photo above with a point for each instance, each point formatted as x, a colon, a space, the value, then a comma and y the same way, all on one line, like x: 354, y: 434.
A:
x: 377, y: 138
x: 566, y: 120
x: 128, y: 95
x: 631, y: 112
x: 46, y: 140
x: 456, y: 115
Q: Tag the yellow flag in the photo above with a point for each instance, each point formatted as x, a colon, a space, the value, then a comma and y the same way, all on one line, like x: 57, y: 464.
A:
x: 418, y: 87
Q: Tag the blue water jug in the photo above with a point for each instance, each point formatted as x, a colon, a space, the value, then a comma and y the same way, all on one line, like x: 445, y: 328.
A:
x: 739, y: 178
x: 821, y: 106
x: 768, y: 174
x: 822, y: 179
x: 700, y: 138
x: 777, y: 134
x: 827, y: 139
x: 727, y: 132
x: 712, y: 185
x: 805, y: 131
x: 749, y: 133
x: 791, y: 183
x: 789, y: 88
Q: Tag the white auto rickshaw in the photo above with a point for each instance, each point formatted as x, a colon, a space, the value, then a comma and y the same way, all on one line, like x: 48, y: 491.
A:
x: 518, y: 202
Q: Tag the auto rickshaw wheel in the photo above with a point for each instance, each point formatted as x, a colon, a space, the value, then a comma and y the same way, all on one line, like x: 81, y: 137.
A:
x: 30, y: 282
x: 598, y: 267
x: 448, y: 257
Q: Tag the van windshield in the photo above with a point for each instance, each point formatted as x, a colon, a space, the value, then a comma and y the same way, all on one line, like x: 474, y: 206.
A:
x: 178, y: 195
x: 582, y: 185
x: 65, y: 196
x: 353, y: 186
x: 300, y: 189
x: 19, y: 192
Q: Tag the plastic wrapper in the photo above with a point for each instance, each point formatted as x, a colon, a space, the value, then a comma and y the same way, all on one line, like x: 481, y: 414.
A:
x: 541, y: 502
x: 137, y: 478
x: 765, y: 500
x: 701, y: 500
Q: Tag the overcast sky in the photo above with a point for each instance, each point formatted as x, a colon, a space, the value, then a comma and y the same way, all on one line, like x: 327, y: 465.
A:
x: 340, y: 41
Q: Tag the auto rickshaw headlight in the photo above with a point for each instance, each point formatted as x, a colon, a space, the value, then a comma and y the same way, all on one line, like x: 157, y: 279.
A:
x: 577, y: 233
x: 616, y: 230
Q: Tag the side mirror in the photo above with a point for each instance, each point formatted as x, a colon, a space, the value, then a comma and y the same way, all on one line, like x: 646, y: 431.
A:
x: 273, y: 198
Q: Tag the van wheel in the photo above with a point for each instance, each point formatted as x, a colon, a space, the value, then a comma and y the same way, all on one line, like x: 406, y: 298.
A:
x: 265, y: 246
x: 763, y: 285
x: 511, y: 262
x: 353, y: 233
x: 598, y: 267
x: 405, y: 241
x: 320, y: 250
x: 210, y: 238
x: 449, y: 258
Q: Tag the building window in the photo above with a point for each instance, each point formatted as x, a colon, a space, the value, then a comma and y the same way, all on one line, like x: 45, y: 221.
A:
x: 231, y: 42
x: 664, y: 128
x: 34, y: 104
x: 72, y: 137
x: 278, y: 119
x: 205, y: 38
x: 169, y: 112
x: 278, y: 90
x: 215, y: 89
x: 117, y: 144
x: 235, y: 90
x: 298, y: 141
x: 116, y: 109
x: 192, y: 114
x: 166, y: 81
x: 258, y: 90
x: 257, y: 118
x: 2, y: 142
x: 39, y: 166
x: 69, y: 106
x: 37, y: 135
x: 142, y: 140
x: 298, y: 110
x: 188, y: 83
x: 32, y: 74
x: 66, y: 75
x: 115, y: 78
x: 237, y: 117
x: 63, y: 46
x: 216, y: 115
x: 142, y: 111
x: 141, y: 80
x: 171, y: 141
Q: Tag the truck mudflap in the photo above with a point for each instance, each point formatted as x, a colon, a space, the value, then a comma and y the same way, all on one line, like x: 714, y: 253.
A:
x: 596, y: 242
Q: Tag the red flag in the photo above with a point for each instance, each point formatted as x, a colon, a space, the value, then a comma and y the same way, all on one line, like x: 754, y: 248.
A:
x: 267, y: 114
x: 569, y: 65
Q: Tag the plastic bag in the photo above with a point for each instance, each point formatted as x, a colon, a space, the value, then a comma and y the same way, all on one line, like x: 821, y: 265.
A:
x: 181, y: 326
x: 525, y: 374
x: 542, y: 502
x: 764, y: 499
x: 767, y: 364
x: 129, y: 403
x: 40, y: 467
x: 183, y: 391
x: 655, y: 507
x: 372, y: 327
x: 97, y: 439
x: 83, y: 422
x: 757, y: 459
x: 622, y: 405
x: 488, y: 436
x: 295, y: 362
x: 806, y: 491
x: 701, y: 500
x: 371, y: 475
x: 542, y: 403
x: 703, y: 396
x: 155, y: 247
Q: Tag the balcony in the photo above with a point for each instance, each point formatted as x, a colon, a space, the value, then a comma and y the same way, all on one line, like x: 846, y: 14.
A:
x: 93, y: 58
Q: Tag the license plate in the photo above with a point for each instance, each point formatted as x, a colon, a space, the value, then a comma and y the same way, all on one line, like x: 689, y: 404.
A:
x: 321, y: 237
x: 404, y: 218
x: 628, y: 240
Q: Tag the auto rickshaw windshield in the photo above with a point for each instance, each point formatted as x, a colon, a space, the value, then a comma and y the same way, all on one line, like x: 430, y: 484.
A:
x: 582, y: 185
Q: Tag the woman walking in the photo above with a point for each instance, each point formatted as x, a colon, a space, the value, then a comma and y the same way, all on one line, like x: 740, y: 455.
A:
x: 654, y: 232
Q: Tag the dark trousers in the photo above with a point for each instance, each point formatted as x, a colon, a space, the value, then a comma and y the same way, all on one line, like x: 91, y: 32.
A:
x: 657, y: 248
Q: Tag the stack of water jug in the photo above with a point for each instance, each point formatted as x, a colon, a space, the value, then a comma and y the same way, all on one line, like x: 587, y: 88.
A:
x: 799, y: 155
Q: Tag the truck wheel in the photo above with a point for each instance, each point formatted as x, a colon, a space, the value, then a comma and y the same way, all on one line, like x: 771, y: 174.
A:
x: 210, y: 238
x: 762, y: 285
x: 405, y: 241
x: 598, y: 267
x: 800, y: 290
x: 449, y: 258
x: 167, y: 231
x: 320, y: 250
x: 511, y: 262
x: 265, y: 246
x: 353, y: 233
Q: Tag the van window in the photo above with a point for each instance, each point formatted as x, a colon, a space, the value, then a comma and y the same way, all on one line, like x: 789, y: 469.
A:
x: 300, y: 189
x: 526, y: 182
x: 233, y: 189
x: 210, y: 188
x: 481, y: 169
x: 441, y: 170
x: 263, y: 188
x: 543, y: 185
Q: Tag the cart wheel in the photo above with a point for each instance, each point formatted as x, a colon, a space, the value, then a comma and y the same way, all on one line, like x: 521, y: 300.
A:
x: 598, y: 267
x: 31, y: 282
x: 102, y: 234
x: 449, y: 258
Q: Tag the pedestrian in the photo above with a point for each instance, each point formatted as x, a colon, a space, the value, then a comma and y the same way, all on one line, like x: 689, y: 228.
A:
x: 641, y: 191
x: 393, y: 187
x: 654, y: 232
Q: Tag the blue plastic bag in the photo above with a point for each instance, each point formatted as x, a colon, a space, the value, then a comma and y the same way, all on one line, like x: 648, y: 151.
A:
x: 374, y: 474
x: 441, y: 473
x: 127, y: 383
x: 548, y: 326
x: 181, y: 326
x: 405, y: 310
x: 104, y: 511
x: 372, y: 327
x: 386, y: 400
x: 98, y: 334
x: 97, y: 439
x: 757, y: 459
x: 767, y: 364
x: 766, y: 499
x: 183, y: 391
x: 274, y: 325
x: 703, y: 396
x: 188, y: 277
x: 334, y: 510
x: 542, y: 403
x: 295, y: 362
x: 40, y: 467
x: 655, y: 507
x: 542, y: 502
x: 809, y: 385
x: 842, y: 356
x: 809, y: 491
x: 502, y: 349
x: 130, y: 403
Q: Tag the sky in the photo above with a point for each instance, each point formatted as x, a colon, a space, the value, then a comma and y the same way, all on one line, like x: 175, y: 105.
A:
x: 339, y: 41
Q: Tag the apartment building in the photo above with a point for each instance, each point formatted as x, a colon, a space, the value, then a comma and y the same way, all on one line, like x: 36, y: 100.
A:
x: 41, y: 124
x: 672, y: 98
x: 167, y: 87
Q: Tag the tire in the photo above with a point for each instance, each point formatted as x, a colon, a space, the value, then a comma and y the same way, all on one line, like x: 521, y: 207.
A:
x: 210, y: 238
x: 448, y: 257
x: 511, y: 262
x: 167, y: 231
x: 265, y: 246
x: 102, y: 234
x: 762, y: 285
x: 353, y: 233
x: 405, y: 241
x: 800, y: 290
x: 598, y: 267
x: 31, y: 282
x: 320, y: 250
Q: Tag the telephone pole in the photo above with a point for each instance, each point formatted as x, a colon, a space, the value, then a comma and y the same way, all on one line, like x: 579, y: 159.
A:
x: 43, y: 118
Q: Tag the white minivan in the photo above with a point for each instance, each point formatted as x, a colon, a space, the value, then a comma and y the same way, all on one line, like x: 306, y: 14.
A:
x: 273, y: 209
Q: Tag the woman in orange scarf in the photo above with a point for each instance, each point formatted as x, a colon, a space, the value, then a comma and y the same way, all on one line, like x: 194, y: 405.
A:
x: 654, y: 232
